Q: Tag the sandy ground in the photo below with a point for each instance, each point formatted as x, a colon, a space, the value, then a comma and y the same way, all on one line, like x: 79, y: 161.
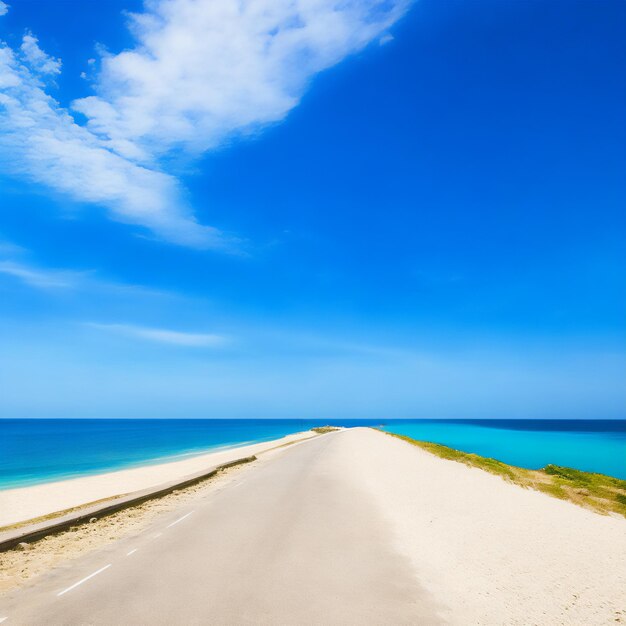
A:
x: 25, y: 503
x: 492, y: 552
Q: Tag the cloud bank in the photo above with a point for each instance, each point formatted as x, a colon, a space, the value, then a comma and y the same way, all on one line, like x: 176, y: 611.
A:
x: 201, y: 73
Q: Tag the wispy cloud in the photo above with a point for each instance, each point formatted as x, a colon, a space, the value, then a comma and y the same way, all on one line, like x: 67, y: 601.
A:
x: 40, y: 141
x: 15, y: 263
x: 8, y: 248
x: 40, y: 278
x: 163, y: 335
x: 4, y: 8
x: 200, y: 73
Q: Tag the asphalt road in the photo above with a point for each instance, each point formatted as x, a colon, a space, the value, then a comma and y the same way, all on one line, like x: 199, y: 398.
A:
x: 287, y: 543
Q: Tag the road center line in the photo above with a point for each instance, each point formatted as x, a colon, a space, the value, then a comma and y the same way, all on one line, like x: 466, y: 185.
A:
x: 180, y: 519
x: 80, y: 582
x: 131, y: 552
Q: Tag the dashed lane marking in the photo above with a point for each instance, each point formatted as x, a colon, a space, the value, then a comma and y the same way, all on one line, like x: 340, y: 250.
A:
x: 80, y: 582
x: 180, y: 519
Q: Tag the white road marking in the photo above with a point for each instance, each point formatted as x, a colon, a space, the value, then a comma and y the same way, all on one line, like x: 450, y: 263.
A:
x: 180, y: 519
x: 2, y: 619
x: 131, y: 552
x: 80, y: 582
x: 156, y: 535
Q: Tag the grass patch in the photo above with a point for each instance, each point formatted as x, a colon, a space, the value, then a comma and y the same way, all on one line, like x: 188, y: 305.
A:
x: 600, y: 493
x: 320, y: 430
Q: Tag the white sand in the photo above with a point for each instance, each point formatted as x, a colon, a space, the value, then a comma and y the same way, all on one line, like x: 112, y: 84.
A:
x: 25, y: 503
x: 489, y: 551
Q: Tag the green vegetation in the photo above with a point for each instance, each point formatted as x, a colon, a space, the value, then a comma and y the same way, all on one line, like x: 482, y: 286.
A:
x: 603, y: 494
x: 324, y: 429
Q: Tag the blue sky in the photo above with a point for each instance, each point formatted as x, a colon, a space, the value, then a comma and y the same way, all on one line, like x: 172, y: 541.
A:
x: 285, y: 210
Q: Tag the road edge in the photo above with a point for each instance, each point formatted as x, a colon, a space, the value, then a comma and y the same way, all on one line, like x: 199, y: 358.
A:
x: 12, y: 538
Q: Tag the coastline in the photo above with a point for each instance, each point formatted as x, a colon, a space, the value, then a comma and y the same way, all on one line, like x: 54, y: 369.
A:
x: 472, y: 547
x: 21, y: 504
x: 598, y: 492
x: 34, y: 452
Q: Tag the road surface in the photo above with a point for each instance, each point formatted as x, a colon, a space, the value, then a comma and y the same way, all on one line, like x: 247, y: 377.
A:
x: 286, y: 542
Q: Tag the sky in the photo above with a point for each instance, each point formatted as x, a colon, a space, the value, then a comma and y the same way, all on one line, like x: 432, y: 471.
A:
x: 311, y: 209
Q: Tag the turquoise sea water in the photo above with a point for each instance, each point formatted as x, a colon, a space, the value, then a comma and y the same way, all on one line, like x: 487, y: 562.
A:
x: 36, y: 451
x: 589, y: 445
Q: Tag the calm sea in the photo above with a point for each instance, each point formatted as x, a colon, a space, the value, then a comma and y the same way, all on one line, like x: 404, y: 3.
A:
x: 36, y: 451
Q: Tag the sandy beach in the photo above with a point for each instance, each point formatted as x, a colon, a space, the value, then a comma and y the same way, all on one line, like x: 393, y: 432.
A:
x: 490, y: 551
x: 378, y: 531
x: 25, y: 503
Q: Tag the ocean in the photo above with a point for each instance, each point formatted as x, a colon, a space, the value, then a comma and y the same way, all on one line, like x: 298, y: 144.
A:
x: 35, y: 451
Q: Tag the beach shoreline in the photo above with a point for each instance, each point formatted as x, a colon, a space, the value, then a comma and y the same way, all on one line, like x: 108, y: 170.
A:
x: 22, y: 504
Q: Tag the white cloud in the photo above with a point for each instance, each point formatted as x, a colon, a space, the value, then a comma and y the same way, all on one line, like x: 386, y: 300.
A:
x: 204, y: 70
x: 36, y: 58
x: 201, y: 73
x: 4, y: 8
x: 387, y: 38
x: 40, y: 141
x: 162, y: 335
x: 41, y: 279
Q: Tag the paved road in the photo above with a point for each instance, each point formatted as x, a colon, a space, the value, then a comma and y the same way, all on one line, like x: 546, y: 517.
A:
x: 288, y: 544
